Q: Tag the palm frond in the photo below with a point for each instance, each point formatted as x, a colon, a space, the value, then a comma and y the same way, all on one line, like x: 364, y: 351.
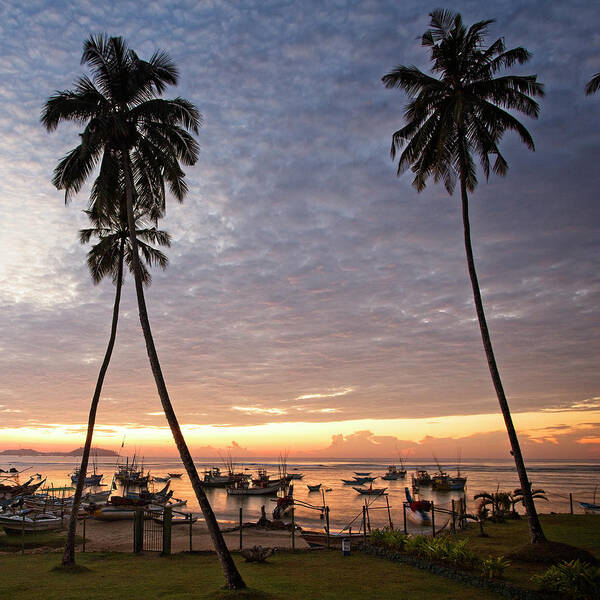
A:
x: 593, y: 85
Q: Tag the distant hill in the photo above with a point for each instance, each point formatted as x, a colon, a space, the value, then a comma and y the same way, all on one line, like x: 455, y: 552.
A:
x: 77, y: 452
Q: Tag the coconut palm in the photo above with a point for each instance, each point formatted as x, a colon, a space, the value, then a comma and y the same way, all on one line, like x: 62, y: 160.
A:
x: 593, y: 85
x: 106, y: 258
x: 449, y: 119
x: 140, y: 138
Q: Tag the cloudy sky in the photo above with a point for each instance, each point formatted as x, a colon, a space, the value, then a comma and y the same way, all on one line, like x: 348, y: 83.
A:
x: 313, y: 300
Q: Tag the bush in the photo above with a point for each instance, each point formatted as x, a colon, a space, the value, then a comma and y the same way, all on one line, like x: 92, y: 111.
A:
x: 574, y: 579
x: 389, y: 538
x: 493, y: 567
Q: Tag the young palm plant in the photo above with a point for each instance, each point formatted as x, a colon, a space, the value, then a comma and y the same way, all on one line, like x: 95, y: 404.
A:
x: 452, y: 118
x: 106, y: 258
x: 142, y: 138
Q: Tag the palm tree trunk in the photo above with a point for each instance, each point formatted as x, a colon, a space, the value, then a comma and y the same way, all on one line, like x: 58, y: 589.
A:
x: 535, y: 528
x: 232, y: 576
x: 68, y: 558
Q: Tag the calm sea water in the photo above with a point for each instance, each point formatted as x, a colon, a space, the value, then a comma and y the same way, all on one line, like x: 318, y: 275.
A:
x: 557, y: 477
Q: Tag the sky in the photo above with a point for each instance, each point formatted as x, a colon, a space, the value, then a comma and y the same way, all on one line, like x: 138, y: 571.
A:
x: 314, y: 302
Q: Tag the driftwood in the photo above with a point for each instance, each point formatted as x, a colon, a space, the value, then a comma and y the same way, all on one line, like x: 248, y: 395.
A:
x: 257, y: 554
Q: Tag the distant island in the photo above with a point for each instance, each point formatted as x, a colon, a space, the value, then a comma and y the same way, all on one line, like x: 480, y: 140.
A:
x: 77, y: 452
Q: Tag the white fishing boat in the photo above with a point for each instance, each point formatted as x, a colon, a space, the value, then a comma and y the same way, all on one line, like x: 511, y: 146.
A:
x: 243, y: 489
x: 30, y: 522
x: 590, y: 508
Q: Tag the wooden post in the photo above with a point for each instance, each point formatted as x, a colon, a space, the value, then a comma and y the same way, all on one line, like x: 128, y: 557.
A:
x: 138, y: 530
x: 404, y: 518
x: 191, y: 523
x: 241, y: 528
x: 453, y: 518
x: 387, y: 502
x: 293, y: 529
x: 365, y: 525
x: 84, y: 520
x: 571, y: 501
x: 432, y: 518
x: 166, y: 532
x: 327, y: 526
x: 368, y: 516
x: 23, y: 535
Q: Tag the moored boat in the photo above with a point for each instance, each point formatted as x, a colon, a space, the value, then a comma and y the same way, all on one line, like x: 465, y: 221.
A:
x: 394, y: 473
x: 370, y: 491
x: 314, y: 488
x: 30, y: 522
x: 590, y: 508
x: 318, y: 539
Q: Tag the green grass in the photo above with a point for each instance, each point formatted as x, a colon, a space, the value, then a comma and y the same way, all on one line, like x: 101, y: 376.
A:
x: 47, y: 539
x: 286, y: 576
x: 582, y: 531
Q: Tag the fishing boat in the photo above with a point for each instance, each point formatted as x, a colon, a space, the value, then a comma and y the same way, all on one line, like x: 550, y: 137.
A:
x: 318, y: 539
x: 177, y: 519
x: 442, y: 482
x: 314, y: 488
x: 175, y: 475
x: 161, y: 479
x: 422, y: 478
x: 590, y: 508
x: 394, y: 473
x: 116, y: 513
x: 90, y: 480
x: 358, y: 480
x: 361, y: 474
x: 214, y: 478
x: 243, y: 488
x: 30, y: 522
x: 418, y: 510
x: 295, y: 475
x: 370, y: 491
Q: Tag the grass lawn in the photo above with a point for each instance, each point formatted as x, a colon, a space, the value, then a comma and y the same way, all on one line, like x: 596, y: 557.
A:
x: 286, y: 576
x: 582, y: 531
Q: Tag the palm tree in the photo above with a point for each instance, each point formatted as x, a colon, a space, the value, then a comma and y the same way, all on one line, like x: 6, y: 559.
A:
x: 453, y: 117
x: 593, y: 85
x: 141, y: 138
x: 106, y: 258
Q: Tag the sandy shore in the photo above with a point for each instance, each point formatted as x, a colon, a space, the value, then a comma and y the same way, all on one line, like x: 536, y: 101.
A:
x: 117, y: 536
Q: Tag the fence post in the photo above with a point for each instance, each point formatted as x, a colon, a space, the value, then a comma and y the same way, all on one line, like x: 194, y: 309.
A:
x: 571, y: 501
x: 432, y: 518
x: 23, y: 535
x: 191, y: 523
x: 368, y: 516
x: 84, y: 520
x: 404, y: 518
x: 138, y: 530
x: 293, y: 529
x: 166, y: 532
x: 365, y: 524
x: 387, y: 502
x: 453, y: 518
x: 327, y: 523
x: 241, y: 527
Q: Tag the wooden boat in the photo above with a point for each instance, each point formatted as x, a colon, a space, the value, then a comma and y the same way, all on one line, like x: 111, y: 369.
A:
x: 361, y: 474
x: 161, y: 479
x: 117, y: 513
x: 30, y: 522
x: 179, y: 519
x: 442, y: 482
x: 295, y: 475
x: 590, y: 508
x: 318, y: 539
x: 370, y: 491
x: 213, y: 478
x: 175, y: 475
x: 394, y: 473
x: 421, y: 477
x: 90, y: 480
x: 358, y: 480
x: 242, y: 488
x: 314, y: 488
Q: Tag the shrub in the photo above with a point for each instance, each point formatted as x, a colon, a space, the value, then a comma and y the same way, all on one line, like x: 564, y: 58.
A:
x: 574, y: 579
x: 389, y: 538
x: 493, y: 567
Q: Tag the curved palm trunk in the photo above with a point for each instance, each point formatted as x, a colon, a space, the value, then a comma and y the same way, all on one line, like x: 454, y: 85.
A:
x: 232, y: 575
x: 68, y: 558
x: 535, y: 528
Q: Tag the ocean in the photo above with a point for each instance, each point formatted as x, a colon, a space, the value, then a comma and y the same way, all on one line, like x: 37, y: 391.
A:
x: 558, y: 478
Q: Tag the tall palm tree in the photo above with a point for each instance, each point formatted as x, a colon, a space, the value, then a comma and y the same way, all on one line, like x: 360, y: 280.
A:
x: 593, y: 85
x: 106, y: 258
x: 141, y: 138
x: 457, y: 115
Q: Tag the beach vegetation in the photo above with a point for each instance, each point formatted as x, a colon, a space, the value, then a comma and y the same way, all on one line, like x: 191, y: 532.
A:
x: 573, y: 579
x: 140, y: 141
x: 455, y: 118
